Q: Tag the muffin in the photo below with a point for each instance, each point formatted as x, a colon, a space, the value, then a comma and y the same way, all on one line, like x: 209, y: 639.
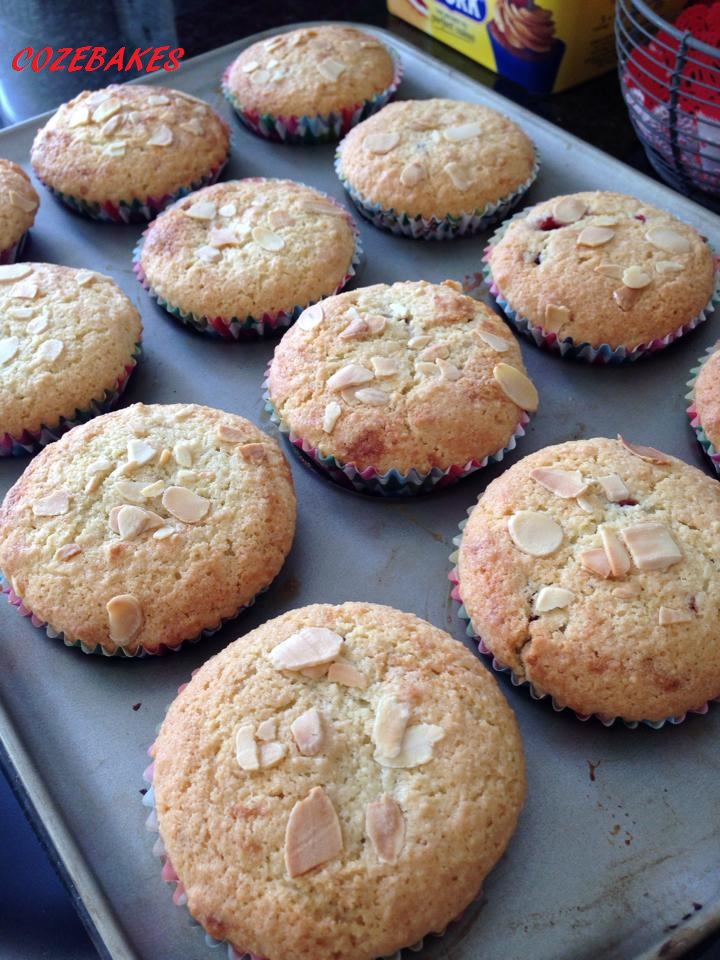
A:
x: 704, y: 409
x: 125, y: 152
x: 397, y: 389
x: 587, y: 569
x: 600, y: 276
x: 145, y: 527
x: 245, y: 257
x: 18, y: 205
x: 311, y: 85
x: 436, y: 169
x: 69, y: 340
x: 357, y: 774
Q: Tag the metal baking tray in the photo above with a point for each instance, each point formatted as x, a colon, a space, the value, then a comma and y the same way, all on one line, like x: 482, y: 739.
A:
x: 617, y: 851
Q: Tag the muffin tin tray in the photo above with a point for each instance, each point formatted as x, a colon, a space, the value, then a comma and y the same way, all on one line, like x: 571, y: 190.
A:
x: 617, y: 851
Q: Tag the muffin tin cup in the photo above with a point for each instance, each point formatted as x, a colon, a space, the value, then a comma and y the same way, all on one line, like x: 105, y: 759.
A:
x: 30, y: 441
x: 535, y: 692
x: 132, y: 211
x: 567, y: 347
x: 435, y: 228
x: 244, y: 328
x: 320, y: 128
x: 393, y: 483
x: 11, y: 254
x: 695, y: 422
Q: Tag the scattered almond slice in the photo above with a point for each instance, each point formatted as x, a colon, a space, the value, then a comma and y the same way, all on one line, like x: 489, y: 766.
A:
x: 384, y: 366
x: 569, y: 209
x: 492, y: 340
x: 153, y: 489
x: 331, y: 69
x: 416, y: 343
x: 131, y: 490
x: 184, y: 504
x: 413, y: 173
x: 246, y: 748
x: 55, y: 504
x: 649, y: 454
x: 307, y: 731
x: 588, y: 503
x: 26, y: 290
x: 593, y: 236
x: 343, y: 672
x: 568, y: 484
x: 372, y: 396
x: 626, y: 297
x: 194, y: 126
x: 595, y: 561
x: 125, y: 618
x: 249, y: 66
x: 183, y: 453
x: 552, y: 598
x: 385, y: 826
x: 417, y: 747
x: 464, y: 131
x: 611, y: 270
x: 516, y: 386
x: 627, y: 591
x: 267, y: 730
x: 158, y: 100
x: 116, y: 148
x: 434, y: 351
x: 556, y: 316
x: 9, y: 347
x: 315, y: 673
x: 253, y: 452
x: 131, y: 522
x: 14, y: 271
x: 309, y: 647
x: 617, y: 556
x: 651, y: 546
x: 230, y: 434
x: 635, y: 278
x: 38, y: 325
x: 207, y: 253
x: 267, y: 239
x: 19, y: 200
x: 614, y: 488
x: 280, y: 218
x: 448, y: 370
x: 426, y: 369
x: 260, y: 76
x: 668, y: 616
x: 271, y: 754
x: 20, y: 313
x: 381, y: 143
x: 331, y: 416
x: 459, y: 175
x: 183, y: 477
x: 376, y: 324
x: 227, y: 210
x: 106, y: 109
x: 161, y: 137
x: 313, y: 834
x: 668, y: 240
x: 328, y: 209
x: 164, y: 532
x: 140, y: 452
x: 201, y: 210
x: 223, y: 237
x: 356, y: 328
x: 67, y: 551
x: 50, y: 350
x: 668, y: 266
x: 391, y: 720
x: 349, y: 376
x: 311, y: 317
x: 79, y: 117
x: 536, y: 534
x: 165, y: 456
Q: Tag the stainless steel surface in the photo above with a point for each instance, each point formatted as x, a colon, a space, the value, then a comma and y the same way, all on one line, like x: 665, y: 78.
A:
x: 619, y: 840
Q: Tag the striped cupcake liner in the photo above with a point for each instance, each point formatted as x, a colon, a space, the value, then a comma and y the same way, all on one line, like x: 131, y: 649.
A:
x: 567, y: 347
x: 393, y: 483
x: 320, y: 128
x: 30, y: 441
x: 435, y: 228
x: 131, y: 211
x: 249, y: 327
x: 535, y: 692
x: 11, y: 254
x: 705, y: 442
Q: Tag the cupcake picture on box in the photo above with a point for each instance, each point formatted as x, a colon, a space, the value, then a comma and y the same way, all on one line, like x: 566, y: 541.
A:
x: 522, y: 34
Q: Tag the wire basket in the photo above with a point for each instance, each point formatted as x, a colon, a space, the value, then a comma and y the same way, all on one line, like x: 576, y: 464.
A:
x: 671, y: 85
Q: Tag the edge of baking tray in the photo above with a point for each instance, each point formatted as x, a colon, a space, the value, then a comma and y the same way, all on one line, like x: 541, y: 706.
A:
x: 26, y: 782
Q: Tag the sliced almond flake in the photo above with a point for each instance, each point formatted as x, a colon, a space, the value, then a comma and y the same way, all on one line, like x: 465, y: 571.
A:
x: 201, y: 210
x: 627, y: 591
x: 271, y: 754
x: 280, y: 218
x: 552, y: 598
x: 25, y: 290
x: 20, y: 313
x: 434, y: 351
x: 185, y: 476
x: 246, y: 749
x: 649, y: 454
x: 328, y: 209
x: 267, y: 239
x: 311, y: 317
x: 593, y: 236
x: 111, y: 125
x: 125, y: 618
x: 417, y: 747
x: 588, y: 503
x: 343, y: 672
x: 376, y: 324
x: 67, y: 551
x: 556, y: 316
x: 26, y: 204
x: 139, y: 451
x: 595, y: 561
x: 668, y: 616
x: 158, y: 100
x: 635, y: 278
x: 131, y: 522
x: 116, y: 148
x: 254, y: 452
x: 308, y: 733
x: 260, y: 76
x: 267, y: 730
x: 249, y: 66
x: 230, y: 434
x: 614, y: 488
x: 84, y: 277
x: 569, y: 209
x: 165, y: 455
x: 194, y: 126
x: 372, y: 396
x: 207, y: 253
x: 668, y: 240
x: 448, y: 371
x: 356, y: 328
x: 461, y: 177
x: 617, y: 556
x: 536, y: 534
x: 668, y: 266
x: 106, y: 109
x: 416, y: 343
x: 183, y: 453
x: 516, y: 386
x: 626, y: 297
x: 55, y: 504
x: 93, y: 483
x: 9, y: 347
x: 131, y: 490
x: 331, y: 69
x: 331, y: 416
x: 381, y: 143
x: 274, y: 43
x: 605, y: 221
x: 391, y: 720
x: 651, y: 546
x: 413, y: 173
x: 313, y: 834
x: 315, y: 673
x: 79, y: 117
x: 351, y: 375
x: 464, y: 131
x: 309, y: 647
x: 164, y: 532
x: 493, y: 341
x: 384, y: 366
x: 227, y: 210
x: 162, y: 136
x: 50, y: 350
x: 153, y: 489
x: 385, y: 827
x: 426, y: 369
x: 568, y: 484
x: 612, y: 270
x: 185, y: 505
x: 10, y: 272
x: 38, y: 325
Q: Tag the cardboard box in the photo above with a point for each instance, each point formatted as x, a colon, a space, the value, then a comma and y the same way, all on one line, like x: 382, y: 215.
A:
x: 545, y: 46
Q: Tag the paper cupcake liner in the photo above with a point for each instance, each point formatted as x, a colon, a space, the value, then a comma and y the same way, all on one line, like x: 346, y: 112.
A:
x: 132, y: 211
x: 535, y: 692
x: 435, y: 228
x: 25, y: 611
x: 249, y: 327
x: 393, y: 483
x: 567, y: 347
x: 30, y: 441
x: 702, y: 438
x: 321, y: 128
x: 11, y: 254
